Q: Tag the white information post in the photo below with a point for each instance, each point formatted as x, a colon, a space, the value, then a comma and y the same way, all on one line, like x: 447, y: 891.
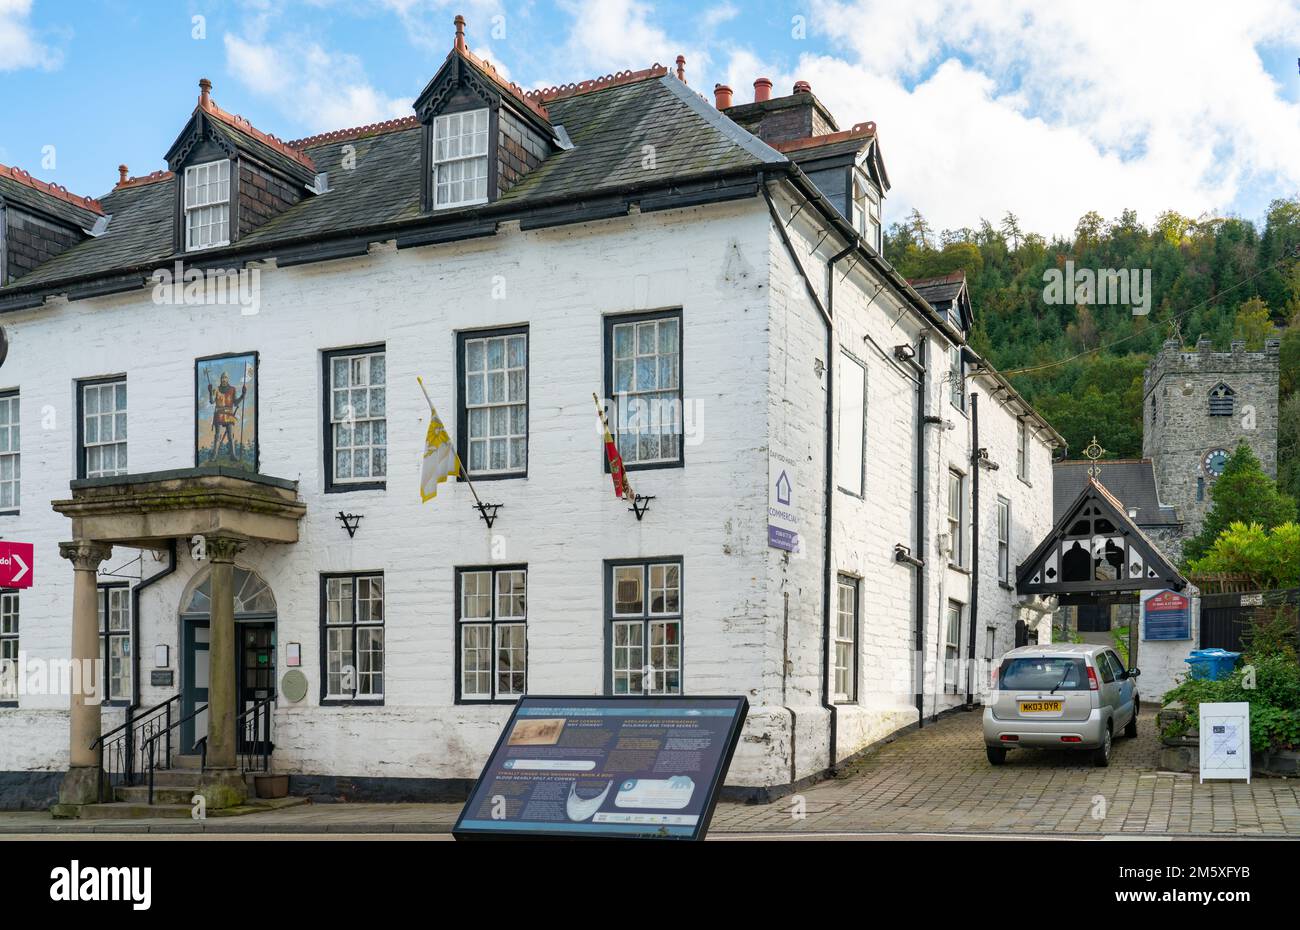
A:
x: 1225, y: 740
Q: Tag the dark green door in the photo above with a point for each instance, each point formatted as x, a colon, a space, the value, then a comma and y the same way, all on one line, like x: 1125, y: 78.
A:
x: 195, y: 691
x: 256, y: 681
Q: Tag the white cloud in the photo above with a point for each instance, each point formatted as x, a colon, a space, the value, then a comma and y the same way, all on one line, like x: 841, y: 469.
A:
x: 1053, y: 109
x: 19, y: 45
x: 610, y: 35
x: 316, y: 88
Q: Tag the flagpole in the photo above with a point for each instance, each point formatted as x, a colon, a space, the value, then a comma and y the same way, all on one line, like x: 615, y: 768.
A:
x: 464, y: 472
x: 605, y: 423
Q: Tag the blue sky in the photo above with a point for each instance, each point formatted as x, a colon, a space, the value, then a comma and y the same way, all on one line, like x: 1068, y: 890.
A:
x: 983, y: 106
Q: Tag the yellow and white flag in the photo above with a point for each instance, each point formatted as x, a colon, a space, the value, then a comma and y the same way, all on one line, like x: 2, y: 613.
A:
x: 440, y: 459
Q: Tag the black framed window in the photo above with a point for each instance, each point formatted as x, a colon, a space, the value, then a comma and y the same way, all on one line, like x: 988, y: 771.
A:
x: 116, y: 644
x: 643, y: 381
x: 10, y: 453
x: 356, y: 419
x: 491, y: 634
x: 492, y: 434
x: 352, y: 637
x: 101, y: 427
x: 1022, y: 450
x: 643, y: 616
x: 851, y: 426
x: 1004, y: 540
x: 846, y: 640
x: 956, y: 518
x: 952, y: 646
x: 957, y: 378
x: 8, y: 648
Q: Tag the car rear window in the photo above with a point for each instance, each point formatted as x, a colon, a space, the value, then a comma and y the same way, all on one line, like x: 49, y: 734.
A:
x: 1043, y: 673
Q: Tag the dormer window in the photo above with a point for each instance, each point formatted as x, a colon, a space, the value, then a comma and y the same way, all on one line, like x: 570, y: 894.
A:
x: 866, y: 209
x: 460, y: 159
x: 207, y: 205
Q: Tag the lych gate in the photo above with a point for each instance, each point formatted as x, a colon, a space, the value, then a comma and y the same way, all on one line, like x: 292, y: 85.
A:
x: 1096, y: 555
x: 228, y: 510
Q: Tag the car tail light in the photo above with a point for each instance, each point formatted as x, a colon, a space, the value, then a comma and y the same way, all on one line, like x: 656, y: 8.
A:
x: 1071, y: 739
x: 1010, y: 738
x: 994, y: 685
x: 1092, y: 678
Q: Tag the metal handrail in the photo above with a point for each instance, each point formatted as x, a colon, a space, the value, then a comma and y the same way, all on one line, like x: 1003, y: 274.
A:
x: 151, y: 747
x: 123, y: 742
x: 261, y: 712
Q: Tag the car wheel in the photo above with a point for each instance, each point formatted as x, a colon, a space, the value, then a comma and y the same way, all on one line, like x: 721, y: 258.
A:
x: 1101, y: 755
x: 997, y: 755
x: 1131, y: 728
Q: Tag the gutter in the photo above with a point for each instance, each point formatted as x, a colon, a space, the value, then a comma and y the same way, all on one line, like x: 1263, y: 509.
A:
x: 828, y: 453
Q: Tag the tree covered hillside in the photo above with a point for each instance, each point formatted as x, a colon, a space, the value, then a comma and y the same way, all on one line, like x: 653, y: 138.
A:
x: 1081, y: 363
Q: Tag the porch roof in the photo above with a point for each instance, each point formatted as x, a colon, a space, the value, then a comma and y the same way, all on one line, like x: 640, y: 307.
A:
x: 146, y: 510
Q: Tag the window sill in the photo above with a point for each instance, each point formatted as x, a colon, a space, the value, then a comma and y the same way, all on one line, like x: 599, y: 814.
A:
x: 495, y: 476
x: 352, y: 702
x: 443, y: 208
x: 9, y: 513
x: 359, y: 486
x: 959, y: 568
x: 486, y: 702
x: 649, y: 466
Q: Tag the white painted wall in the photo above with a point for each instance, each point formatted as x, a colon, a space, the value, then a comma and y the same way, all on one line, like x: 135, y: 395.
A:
x: 753, y: 615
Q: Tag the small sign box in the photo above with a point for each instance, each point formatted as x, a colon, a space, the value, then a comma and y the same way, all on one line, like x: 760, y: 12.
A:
x: 1166, y: 615
x: 17, y: 564
x: 606, y: 767
x: 1225, y: 740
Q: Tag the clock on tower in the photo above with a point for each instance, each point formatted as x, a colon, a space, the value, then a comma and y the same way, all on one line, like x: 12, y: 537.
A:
x: 1214, y: 462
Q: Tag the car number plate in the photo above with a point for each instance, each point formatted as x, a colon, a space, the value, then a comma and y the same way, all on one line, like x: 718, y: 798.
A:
x: 1040, y: 707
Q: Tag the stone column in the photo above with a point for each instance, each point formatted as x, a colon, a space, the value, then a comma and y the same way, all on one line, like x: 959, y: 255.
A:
x: 81, y: 783
x: 222, y: 784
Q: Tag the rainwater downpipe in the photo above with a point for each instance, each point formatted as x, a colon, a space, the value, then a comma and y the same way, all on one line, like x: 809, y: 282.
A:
x: 974, y: 545
x: 828, y: 479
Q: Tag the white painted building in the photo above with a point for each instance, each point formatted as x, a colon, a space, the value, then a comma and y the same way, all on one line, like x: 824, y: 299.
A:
x: 727, y: 258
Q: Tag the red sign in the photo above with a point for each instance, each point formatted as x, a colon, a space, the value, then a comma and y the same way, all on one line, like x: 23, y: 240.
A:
x: 17, y: 563
x: 1167, y: 600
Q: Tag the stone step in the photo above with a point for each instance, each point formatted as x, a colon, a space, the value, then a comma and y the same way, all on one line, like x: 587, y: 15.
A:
x: 171, y: 778
x: 183, y: 761
x: 127, y: 810
x: 162, y: 794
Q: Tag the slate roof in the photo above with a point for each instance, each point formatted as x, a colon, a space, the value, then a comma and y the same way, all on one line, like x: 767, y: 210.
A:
x: 1131, y: 481
x: 25, y: 195
x: 939, y: 290
x: 608, y: 126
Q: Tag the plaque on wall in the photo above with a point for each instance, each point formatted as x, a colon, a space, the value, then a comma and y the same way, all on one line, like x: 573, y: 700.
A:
x: 160, y: 678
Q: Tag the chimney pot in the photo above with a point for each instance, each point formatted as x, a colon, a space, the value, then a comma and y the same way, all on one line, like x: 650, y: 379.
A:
x: 121, y: 174
x: 681, y: 68
x: 762, y: 89
x: 721, y: 96
x: 460, y: 32
x: 205, y: 93
x: 802, y: 87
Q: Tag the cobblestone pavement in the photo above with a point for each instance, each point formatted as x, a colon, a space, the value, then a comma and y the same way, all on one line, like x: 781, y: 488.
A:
x: 938, y: 780
x: 931, y: 781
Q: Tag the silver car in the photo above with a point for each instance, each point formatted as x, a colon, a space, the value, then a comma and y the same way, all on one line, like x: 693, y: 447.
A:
x: 1060, y: 696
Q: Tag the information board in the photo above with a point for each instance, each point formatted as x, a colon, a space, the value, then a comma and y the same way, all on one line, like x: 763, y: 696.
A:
x: 1166, y: 615
x: 1225, y: 740
x: 606, y: 767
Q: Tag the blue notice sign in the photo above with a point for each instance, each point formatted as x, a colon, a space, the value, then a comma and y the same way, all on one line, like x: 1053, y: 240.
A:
x: 604, y: 767
x: 1166, y: 616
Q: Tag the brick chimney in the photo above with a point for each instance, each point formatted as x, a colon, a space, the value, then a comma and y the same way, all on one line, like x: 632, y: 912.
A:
x: 780, y: 119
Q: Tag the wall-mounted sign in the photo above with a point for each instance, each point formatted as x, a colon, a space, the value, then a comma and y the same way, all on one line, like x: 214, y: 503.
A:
x: 225, y: 411
x: 782, y: 503
x: 17, y: 564
x: 293, y: 686
x: 604, y: 767
x: 1166, y: 615
x: 161, y: 655
x: 160, y: 678
x: 1225, y: 740
x: 293, y: 655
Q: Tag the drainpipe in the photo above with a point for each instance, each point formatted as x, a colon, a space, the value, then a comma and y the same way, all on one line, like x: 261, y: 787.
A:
x: 829, y: 453
x: 974, y: 545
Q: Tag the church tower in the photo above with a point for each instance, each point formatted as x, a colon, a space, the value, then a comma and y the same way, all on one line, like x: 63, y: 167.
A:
x: 1197, y: 407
